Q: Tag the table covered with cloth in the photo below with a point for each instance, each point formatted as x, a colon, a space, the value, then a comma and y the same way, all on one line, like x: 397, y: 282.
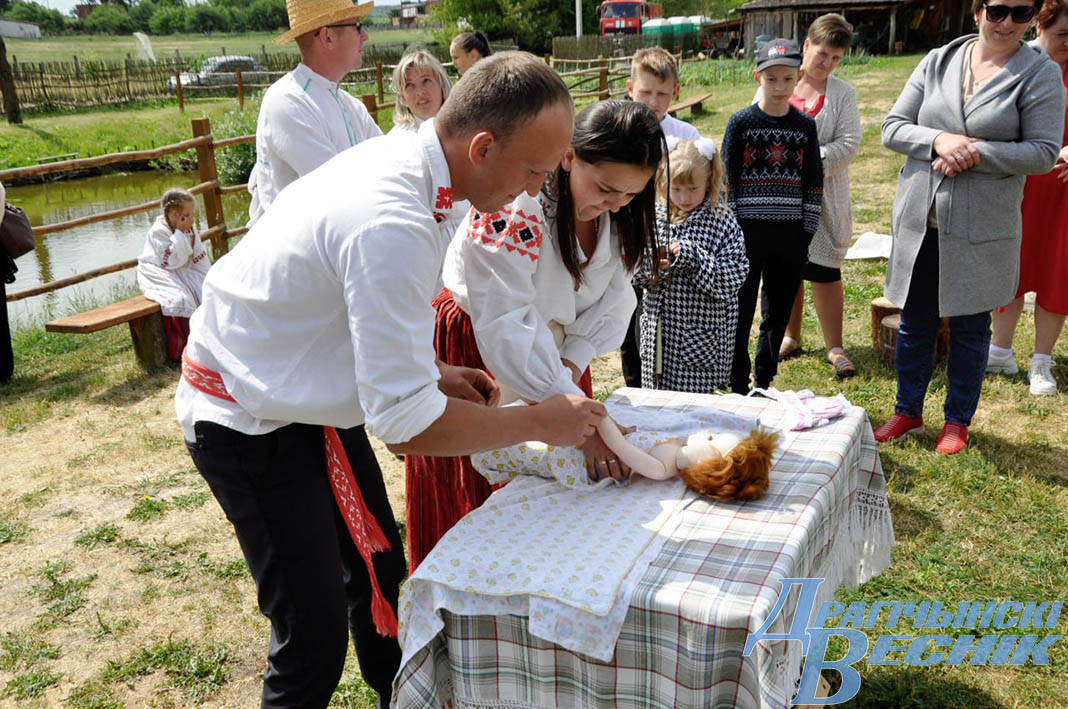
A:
x: 489, y: 622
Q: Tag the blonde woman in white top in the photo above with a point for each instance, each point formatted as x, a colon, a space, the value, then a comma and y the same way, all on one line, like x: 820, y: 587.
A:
x: 535, y: 291
x: 421, y: 86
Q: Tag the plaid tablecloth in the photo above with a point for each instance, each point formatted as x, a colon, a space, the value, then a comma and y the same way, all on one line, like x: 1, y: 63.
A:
x: 713, y: 582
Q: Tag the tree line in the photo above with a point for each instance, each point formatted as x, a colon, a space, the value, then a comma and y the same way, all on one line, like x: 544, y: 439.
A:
x: 157, y: 17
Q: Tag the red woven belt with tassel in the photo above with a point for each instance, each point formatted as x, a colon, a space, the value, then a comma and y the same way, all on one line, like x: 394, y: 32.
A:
x: 363, y: 527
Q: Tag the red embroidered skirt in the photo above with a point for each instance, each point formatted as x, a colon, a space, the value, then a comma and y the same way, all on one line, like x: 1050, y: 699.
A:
x: 439, y: 491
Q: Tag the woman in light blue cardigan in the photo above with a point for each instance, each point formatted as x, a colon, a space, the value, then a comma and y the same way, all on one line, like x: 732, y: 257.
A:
x: 975, y: 118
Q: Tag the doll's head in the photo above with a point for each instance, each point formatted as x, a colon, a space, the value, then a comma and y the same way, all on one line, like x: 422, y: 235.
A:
x: 725, y: 465
x: 179, y: 209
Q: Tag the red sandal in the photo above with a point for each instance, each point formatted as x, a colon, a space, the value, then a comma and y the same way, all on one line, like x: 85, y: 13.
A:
x: 898, y: 426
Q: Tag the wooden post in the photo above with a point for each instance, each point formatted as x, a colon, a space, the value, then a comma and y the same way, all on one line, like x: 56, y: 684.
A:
x: 150, y: 344
x: 224, y: 51
x: 178, y: 89
x: 40, y: 72
x: 893, y: 30
x: 213, y: 210
x: 548, y: 59
x: 240, y: 92
x: 371, y: 105
x: 263, y: 48
x: 77, y: 70
x: 604, y: 80
x: 126, y: 71
x: 378, y: 78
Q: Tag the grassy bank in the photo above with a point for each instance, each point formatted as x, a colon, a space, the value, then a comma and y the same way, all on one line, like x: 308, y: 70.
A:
x: 124, y: 583
x: 190, y: 46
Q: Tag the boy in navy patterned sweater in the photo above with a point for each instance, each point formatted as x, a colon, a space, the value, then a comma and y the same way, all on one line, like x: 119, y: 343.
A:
x: 775, y: 187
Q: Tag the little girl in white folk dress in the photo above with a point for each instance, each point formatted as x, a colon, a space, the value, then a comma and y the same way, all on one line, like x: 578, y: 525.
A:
x: 172, y: 266
x: 690, y: 306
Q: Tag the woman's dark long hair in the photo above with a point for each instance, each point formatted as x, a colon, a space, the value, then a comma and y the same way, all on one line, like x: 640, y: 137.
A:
x: 612, y: 131
x: 473, y: 40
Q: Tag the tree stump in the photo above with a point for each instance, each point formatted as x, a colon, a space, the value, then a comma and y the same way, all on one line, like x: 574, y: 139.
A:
x: 888, y: 328
x: 880, y: 308
x: 150, y: 344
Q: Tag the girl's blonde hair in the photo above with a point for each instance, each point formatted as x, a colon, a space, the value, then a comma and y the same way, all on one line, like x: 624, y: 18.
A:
x: 175, y: 198
x: 419, y: 59
x: 689, y: 167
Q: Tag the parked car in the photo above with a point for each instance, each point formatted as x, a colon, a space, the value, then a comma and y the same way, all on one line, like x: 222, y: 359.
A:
x: 220, y: 70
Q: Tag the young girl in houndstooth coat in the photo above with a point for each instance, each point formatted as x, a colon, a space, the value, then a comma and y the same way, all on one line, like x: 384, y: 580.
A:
x: 690, y: 306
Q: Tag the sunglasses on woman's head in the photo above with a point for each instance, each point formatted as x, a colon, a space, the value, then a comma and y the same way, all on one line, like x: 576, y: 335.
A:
x: 1021, y: 14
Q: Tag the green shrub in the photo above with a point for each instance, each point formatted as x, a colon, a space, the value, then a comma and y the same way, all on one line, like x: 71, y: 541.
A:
x: 167, y: 20
x: 235, y: 163
x: 109, y: 19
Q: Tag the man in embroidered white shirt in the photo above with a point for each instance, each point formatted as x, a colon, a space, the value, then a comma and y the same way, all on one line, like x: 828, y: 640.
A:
x: 305, y: 117
x: 321, y: 318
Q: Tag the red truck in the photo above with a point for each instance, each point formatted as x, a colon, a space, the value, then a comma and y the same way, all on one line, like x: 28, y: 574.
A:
x: 627, y: 16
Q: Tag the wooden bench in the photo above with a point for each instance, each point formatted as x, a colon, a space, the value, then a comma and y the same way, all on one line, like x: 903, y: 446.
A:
x: 146, y: 326
x: 885, y: 323
x: 693, y: 103
x: 56, y: 158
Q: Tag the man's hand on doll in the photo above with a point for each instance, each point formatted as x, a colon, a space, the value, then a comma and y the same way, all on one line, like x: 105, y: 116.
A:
x: 601, y: 462
x: 468, y: 384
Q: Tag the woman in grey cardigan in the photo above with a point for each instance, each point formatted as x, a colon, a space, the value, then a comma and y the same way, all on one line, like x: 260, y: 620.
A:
x: 975, y: 117
x: 833, y: 103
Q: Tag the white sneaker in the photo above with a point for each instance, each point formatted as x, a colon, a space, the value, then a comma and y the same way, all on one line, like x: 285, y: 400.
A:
x: 1041, y: 376
x: 1001, y: 365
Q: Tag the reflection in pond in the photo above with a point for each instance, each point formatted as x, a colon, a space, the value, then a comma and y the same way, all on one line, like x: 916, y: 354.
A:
x: 66, y: 253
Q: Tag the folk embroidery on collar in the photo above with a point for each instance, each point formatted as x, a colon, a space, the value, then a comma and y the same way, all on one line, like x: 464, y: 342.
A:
x: 443, y: 201
x: 516, y: 231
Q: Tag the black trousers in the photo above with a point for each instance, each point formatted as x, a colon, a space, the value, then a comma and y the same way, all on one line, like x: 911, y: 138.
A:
x: 311, y: 580
x: 7, y: 357
x: 630, y: 350
x: 778, y: 253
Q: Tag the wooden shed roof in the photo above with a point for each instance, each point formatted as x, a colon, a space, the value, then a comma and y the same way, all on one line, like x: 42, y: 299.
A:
x: 755, y: 5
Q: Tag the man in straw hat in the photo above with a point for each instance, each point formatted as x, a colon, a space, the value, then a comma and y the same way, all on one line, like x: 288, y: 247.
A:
x: 320, y: 321
x: 306, y: 118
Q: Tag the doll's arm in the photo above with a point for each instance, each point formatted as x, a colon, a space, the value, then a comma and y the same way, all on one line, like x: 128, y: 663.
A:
x: 651, y: 465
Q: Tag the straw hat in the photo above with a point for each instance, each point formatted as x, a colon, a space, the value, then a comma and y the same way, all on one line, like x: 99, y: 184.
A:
x: 309, y: 15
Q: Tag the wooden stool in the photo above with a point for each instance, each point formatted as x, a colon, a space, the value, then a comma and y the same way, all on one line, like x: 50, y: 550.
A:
x: 888, y: 328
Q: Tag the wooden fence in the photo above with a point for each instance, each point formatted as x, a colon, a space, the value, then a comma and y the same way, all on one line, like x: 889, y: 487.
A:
x: 52, y: 85
x: 217, y: 233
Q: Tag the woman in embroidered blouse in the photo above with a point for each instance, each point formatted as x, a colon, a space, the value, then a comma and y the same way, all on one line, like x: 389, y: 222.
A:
x: 975, y: 118
x: 833, y: 103
x: 535, y: 291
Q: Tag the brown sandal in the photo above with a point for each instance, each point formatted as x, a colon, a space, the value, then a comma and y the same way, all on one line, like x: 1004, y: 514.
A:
x: 789, y: 349
x: 843, y: 366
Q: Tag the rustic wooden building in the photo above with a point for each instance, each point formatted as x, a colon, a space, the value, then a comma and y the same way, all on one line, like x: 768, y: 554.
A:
x: 880, y: 24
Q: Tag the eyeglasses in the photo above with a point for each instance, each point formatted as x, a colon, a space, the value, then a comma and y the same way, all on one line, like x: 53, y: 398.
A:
x: 1021, y: 14
x: 357, y: 25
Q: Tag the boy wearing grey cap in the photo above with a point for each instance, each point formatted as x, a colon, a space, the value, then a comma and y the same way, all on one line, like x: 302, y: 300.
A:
x: 775, y: 187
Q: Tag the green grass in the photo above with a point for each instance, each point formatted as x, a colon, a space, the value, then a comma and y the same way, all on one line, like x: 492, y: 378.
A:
x: 63, y: 595
x: 98, y: 536
x: 190, y: 46
x: 12, y: 530
x: 147, y: 508
x: 196, y: 670
x: 30, y: 685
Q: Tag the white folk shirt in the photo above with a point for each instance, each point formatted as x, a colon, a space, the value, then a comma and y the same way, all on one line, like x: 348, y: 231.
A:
x: 305, y: 119
x: 321, y: 314
x: 680, y: 129
x: 505, y: 271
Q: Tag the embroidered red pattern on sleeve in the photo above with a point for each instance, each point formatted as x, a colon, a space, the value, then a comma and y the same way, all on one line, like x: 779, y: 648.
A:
x: 518, y: 232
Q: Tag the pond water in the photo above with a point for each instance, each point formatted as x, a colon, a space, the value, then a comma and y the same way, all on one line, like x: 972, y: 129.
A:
x: 66, y: 253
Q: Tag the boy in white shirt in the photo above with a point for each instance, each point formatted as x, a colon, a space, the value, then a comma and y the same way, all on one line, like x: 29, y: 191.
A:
x: 654, y: 81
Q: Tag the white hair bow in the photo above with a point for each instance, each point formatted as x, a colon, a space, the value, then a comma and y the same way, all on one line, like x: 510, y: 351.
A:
x: 707, y: 148
x: 672, y: 143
